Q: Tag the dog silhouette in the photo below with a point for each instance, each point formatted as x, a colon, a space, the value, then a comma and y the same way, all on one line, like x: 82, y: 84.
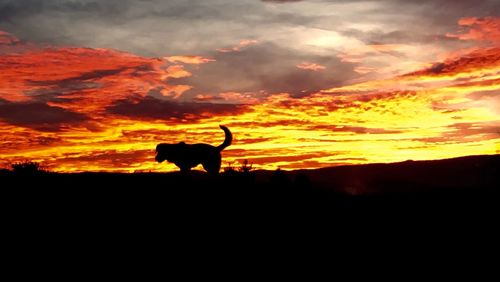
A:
x: 186, y: 156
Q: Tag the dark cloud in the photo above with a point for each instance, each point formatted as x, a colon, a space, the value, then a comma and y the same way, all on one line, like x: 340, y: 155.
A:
x: 109, y: 158
x: 12, y: 9
x: 159, y: 27
x: 402, y: 36
x: 28, y: 139
x: 152, y: 108
x: 270, y: 68
x: 353, y: 129
x: 148, y: 135
x: 80, y: 78
x: 142, y: 27
x: 38, y: 116
x: 56, y: 90
x: 430, y: 20
x: 465, y: 132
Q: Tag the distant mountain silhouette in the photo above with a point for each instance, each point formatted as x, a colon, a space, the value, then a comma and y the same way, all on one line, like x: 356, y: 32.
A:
x: 471, y: 172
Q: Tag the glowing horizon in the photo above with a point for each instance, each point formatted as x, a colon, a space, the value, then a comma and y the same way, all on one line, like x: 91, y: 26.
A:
x: 333, y: 98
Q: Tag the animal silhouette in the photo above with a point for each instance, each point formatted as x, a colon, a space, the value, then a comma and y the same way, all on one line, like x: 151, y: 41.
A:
x: 186, y: 156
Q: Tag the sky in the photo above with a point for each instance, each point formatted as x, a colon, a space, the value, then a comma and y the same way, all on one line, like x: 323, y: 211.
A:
x: 91, y: 85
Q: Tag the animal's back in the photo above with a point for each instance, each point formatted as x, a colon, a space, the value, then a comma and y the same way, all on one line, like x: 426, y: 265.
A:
x: 203, y: 149
x: 200, y: 152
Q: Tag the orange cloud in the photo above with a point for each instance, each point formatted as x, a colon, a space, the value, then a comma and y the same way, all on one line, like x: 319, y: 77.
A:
x: 175, y: 71
x: 481, y: 29
x: 310, y: 66
x: 478, y: 60
x: 243, y: 44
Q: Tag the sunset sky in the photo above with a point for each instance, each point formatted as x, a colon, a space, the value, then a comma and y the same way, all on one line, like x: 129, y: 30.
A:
x: 89, y: 85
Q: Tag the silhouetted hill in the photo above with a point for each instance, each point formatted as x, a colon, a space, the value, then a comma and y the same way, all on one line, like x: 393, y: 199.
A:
x: 471, y: 172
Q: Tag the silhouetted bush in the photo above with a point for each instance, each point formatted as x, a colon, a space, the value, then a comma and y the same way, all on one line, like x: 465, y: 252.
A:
x: 27, y: 167
x: 241, y: 175
x: 229, y: 168
x: 245, y: 167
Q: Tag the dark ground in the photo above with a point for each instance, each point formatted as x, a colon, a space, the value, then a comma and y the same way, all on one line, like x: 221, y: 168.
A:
x: 91, y: 220
x: 150, y: 216
x: 460, y: 185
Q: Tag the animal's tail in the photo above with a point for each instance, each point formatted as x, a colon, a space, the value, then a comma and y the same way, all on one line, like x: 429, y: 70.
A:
x: 227, y: 140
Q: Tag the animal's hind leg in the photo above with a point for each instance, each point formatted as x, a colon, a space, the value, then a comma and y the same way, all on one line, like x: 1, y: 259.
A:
x: 184, y: 168
x: 212, y: 166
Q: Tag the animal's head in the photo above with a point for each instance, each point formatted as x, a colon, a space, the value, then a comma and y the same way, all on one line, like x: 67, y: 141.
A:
x: 167, y: 152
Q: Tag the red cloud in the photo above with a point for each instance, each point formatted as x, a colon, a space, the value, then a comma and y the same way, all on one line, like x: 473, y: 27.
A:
x: 84, y: 79
x: 480, y: 59
x: 481, y: 29
x: 9, y: 44
x: 7, y: 38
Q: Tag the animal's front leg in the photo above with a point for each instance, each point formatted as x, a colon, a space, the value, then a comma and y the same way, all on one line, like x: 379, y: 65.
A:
x: 185, y: 169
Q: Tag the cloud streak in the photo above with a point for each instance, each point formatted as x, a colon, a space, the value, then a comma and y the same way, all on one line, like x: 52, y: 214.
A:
x: 310, y: 66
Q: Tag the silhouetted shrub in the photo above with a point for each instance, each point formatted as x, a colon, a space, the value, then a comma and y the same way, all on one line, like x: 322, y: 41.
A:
x: 229, y: 168
x: 241, y: 175
x: 245, y: 167
x: 27, y: 167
